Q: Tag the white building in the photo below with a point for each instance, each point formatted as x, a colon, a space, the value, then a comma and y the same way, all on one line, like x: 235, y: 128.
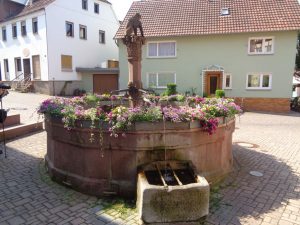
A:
x: 48, y: 39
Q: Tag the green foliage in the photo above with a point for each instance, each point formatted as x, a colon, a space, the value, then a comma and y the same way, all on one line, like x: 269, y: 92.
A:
x: 91, y: 100
x: 171, y: 90
x: 205, y: 95
x: 220, y: 93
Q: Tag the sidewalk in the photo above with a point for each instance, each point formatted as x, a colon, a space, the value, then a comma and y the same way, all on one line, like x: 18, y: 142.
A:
x: 24, y: 104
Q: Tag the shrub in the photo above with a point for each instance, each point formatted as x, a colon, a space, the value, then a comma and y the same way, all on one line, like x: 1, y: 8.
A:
x: 220, y: 93
x: 171, y: 90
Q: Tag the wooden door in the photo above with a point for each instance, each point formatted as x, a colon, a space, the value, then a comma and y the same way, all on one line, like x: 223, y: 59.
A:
x: 213, y: 82
x: 105, y: 83
x: 36, y: 67
x: 27, y: 69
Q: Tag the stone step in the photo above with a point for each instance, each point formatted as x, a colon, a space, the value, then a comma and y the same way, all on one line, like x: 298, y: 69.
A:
x: 12, y: 120
x: 20, y: 130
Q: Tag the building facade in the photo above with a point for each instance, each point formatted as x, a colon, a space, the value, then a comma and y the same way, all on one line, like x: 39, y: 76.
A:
x: 251, y: 57
x: 49, y: 39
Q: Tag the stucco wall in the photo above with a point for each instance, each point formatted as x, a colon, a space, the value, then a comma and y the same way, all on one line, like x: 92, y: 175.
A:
x: 194, y: 54
x: 85, y: 53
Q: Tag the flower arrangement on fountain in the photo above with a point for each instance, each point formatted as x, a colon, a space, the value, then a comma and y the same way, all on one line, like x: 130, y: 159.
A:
x: 120, y: 118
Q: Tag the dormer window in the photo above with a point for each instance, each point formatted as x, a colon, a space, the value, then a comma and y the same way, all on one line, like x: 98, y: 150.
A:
x: 225, y: 12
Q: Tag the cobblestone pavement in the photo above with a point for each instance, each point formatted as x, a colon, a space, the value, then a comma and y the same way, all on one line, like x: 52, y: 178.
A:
x: 266, y: 143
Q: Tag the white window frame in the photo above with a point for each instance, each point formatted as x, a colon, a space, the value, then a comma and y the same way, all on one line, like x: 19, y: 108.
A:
x: 263, y: 49
x: 98, y: 7
x: 14, y: 34
x: 260, y: 81
x: 87, y: 5
x: 4, y: 30
x: 102, y: 37
x: 157, y: 74
x: 85, y: 28
x: 72, y: 24
x: 158, y: 42
x: 224, y: 81
x: 33, y: 22
x: 23, y: 28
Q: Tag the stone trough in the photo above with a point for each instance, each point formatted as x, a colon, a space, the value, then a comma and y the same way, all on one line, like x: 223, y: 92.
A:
x: 171, y: 192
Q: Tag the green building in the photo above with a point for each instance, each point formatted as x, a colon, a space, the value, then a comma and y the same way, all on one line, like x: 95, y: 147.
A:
x: 246, y: 48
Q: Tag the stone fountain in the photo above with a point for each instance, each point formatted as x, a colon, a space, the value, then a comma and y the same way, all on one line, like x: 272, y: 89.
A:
x: 169, y: 152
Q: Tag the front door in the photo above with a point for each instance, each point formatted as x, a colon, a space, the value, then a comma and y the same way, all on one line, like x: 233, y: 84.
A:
x: 213, y: 82
x: 27, y: 70
x: 36, y: 67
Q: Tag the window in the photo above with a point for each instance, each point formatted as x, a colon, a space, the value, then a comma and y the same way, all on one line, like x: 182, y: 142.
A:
x: 82, y: 32
x: 66, y: 62
x: 18, y: 65
x: 35, y: 28
x: 225, y: 12
x: 96, y: 8
x: 14, y: 30
x: 261, y: 46
x: 4, y: 36
x: 227, y: 81
x: 101, y: 36
x: 161, y: 49
x: 23, y: 28
x: 85, y: 4
x: 6, y: 66
x: 69, y: 29
x: 259, y: 81
x: 160, y: 80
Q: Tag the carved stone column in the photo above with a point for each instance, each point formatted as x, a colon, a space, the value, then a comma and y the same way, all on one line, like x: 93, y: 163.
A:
x: 134, y: 51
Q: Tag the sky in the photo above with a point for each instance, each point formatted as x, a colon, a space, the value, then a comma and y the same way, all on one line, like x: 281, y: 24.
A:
x: 121, y: 7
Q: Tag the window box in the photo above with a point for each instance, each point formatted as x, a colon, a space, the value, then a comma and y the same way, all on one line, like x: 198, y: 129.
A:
x: 259, y: 81
x: 261, y: 46
x: 162, y: 49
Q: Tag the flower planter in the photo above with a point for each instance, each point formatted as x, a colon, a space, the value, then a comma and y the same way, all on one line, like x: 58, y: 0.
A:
x: 73, y: 159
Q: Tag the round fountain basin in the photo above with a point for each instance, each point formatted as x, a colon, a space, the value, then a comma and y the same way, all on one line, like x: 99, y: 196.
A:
x: 73, y: 158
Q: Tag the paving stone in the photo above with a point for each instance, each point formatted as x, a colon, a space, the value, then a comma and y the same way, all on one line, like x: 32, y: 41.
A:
x: 28, y: 196
x: 16, y: 221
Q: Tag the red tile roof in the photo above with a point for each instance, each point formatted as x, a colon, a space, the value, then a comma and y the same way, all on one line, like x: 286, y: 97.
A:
x: 200, y: 17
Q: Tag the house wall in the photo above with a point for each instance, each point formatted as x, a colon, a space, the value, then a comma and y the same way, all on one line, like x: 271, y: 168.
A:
x: 24, y: 47
x: 194, y: 54
x: 85, y: 53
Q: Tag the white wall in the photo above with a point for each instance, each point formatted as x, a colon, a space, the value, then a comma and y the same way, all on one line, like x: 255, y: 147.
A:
x: 34, y: 44
x: 85, y: 53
